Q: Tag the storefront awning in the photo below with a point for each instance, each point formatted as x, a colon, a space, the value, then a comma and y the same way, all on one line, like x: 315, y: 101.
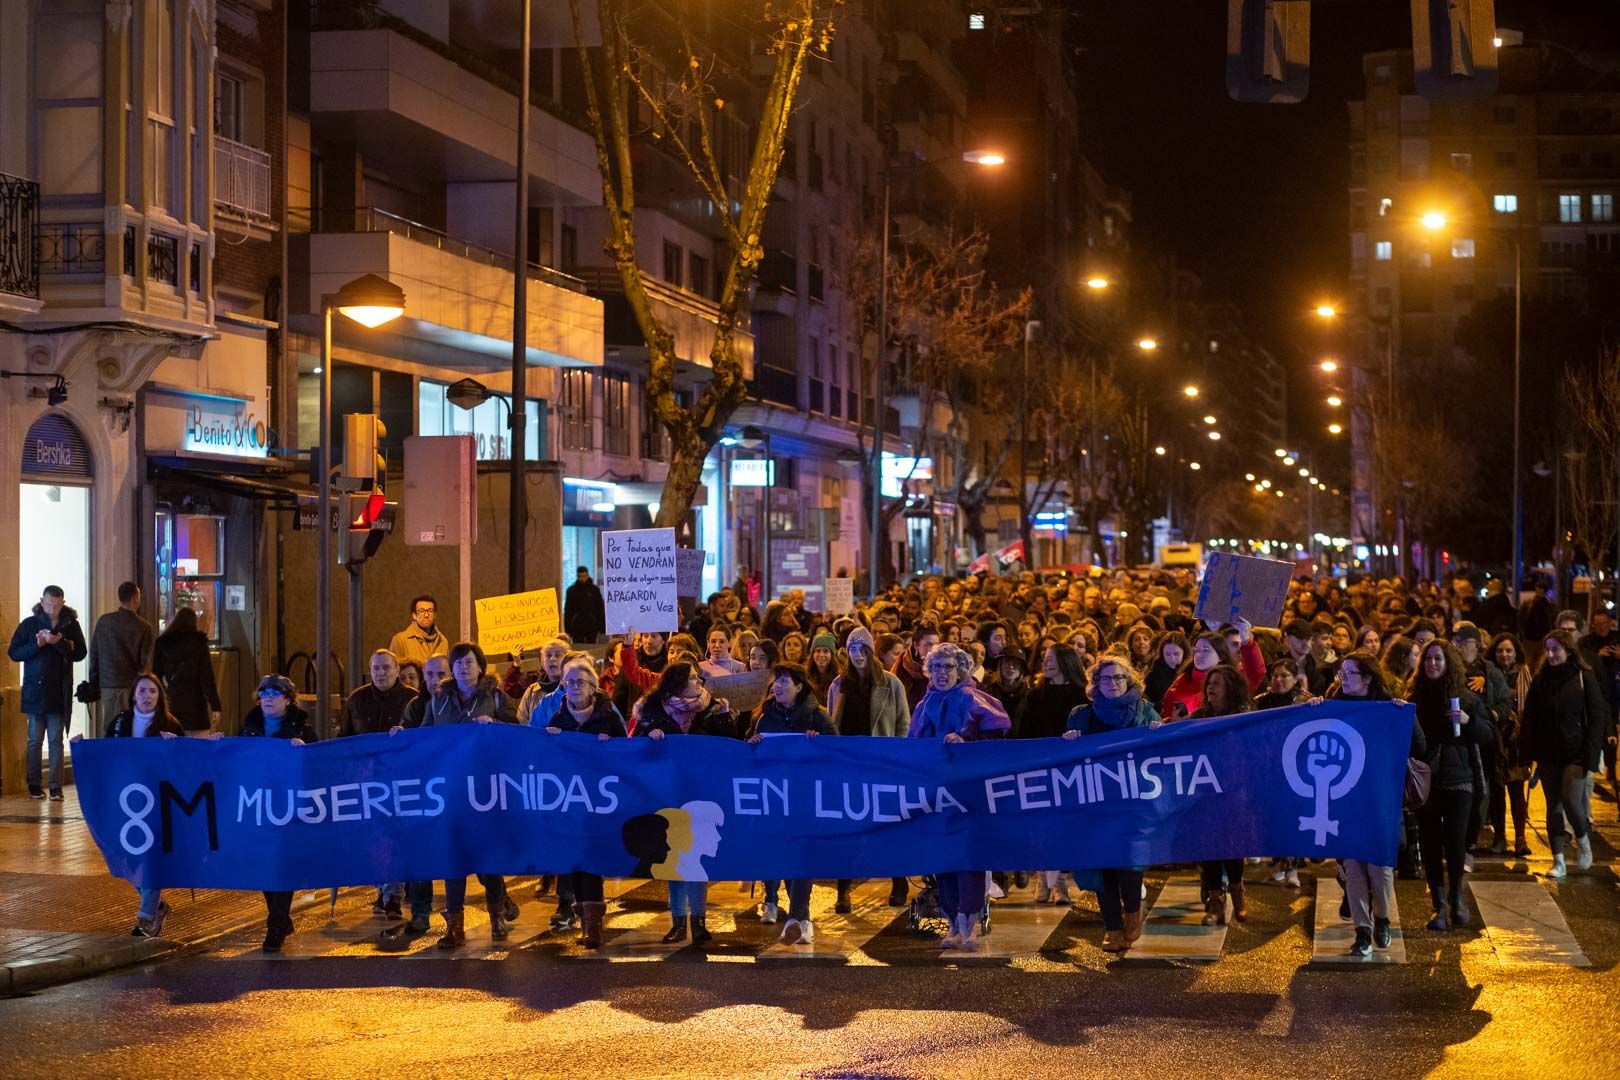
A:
x: 274, y: 487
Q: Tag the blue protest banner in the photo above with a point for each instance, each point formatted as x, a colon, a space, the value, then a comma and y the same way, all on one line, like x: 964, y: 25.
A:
x: 1315, y: 781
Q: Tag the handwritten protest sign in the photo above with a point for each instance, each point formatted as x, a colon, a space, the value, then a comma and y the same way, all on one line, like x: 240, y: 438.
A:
x: 688, y: 572
x: 639, y: 580
x: 840, y: 595
x: 1241, y: 585
x: 517, y: 621
x: 743, y: 691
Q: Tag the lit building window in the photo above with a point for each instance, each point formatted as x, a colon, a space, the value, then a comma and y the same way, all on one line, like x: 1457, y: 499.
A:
x: 1603, y: 207
x: 976, y: 21
x: 1505, y: 204
x: 1384, y: 206
x: 1462, y: 247
x: 1569, y: 208
x: 1383, y: 251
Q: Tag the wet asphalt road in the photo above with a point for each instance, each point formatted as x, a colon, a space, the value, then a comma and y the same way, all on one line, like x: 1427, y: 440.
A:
x: 1459, y: 1007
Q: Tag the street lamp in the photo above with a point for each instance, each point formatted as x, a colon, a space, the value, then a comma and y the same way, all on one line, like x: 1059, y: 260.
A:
x: 1326, y: 311
x: 1209, y: 419
x: 752, y: 438
x: 1215, y: 436
x: 1147, y: 344
x: 1335, y: 429
x: 1097, y: 283
x: 1329, y: 366
x: 1190, y: 390
x: 1159, y: 450
x: 368, y: 301
x: 1433, y: 220
x: 988, y: 159
x: 1334, y: 400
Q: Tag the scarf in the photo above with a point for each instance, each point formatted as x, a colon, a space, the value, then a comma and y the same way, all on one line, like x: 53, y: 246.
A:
x: 1117, y: 712
x: 681, y: 711
x: 943, y: 711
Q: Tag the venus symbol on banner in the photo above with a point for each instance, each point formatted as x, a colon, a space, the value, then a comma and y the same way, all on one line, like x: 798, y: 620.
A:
x: 1335, y: 756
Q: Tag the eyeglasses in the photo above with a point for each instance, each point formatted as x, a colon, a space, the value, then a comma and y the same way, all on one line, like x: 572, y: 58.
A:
x: 1114, y: 680
x: 424, y: 611
x: 269, y: 693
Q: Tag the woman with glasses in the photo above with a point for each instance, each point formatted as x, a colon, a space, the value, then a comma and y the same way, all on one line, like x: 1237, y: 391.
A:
x: 954, y: 711
x: 1369, y: 888
x: 277, y: 716
x: 470, y: 696
x: 1117, y: 704
x: 586, y: 711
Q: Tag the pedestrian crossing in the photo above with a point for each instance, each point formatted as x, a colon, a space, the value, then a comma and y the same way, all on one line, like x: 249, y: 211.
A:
x: 1520, y: 925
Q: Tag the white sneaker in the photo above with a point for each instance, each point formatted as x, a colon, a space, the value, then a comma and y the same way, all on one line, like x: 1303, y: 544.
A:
x: 1043, y: 891
x: 1060, y: 895
x: 1277, y: 876
x: 970, y: 931
x: 791, y: 932
x: 1583, y: 852
x: 994, y: 891
x: 768, y: 913
x: 1558, y: 871
x: 1468, y: 864
x: 1291, y: 879
x: 807, y: 932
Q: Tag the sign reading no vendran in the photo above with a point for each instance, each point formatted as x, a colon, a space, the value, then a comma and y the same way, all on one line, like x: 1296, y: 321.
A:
x: 639, y: 580
x: 517, y: 621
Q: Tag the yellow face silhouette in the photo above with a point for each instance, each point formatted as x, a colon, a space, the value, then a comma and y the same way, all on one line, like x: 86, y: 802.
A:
x: 679, y: 839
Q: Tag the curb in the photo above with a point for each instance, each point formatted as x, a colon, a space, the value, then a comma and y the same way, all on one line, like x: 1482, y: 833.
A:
x: 29, y: 976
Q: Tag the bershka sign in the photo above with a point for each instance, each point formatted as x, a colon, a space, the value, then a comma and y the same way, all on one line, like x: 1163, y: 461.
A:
x: 223, y: 427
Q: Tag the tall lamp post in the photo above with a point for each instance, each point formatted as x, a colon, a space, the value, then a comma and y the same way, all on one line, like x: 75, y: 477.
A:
x: 370, y: 301
x: 518, y: 416
x: 987, y: 159
x: 753, y: 438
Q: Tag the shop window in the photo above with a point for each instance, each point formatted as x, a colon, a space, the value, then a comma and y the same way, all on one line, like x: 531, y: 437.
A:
x: 488, y: 423
x: 190, y: 553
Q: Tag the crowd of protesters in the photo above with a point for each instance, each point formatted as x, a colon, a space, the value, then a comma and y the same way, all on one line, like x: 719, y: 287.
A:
x: 1504, y: 699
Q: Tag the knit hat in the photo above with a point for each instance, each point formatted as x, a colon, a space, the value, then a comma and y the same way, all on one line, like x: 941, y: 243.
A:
x: 281, y: 685
x: 824, y: 640
x: 863, y: 637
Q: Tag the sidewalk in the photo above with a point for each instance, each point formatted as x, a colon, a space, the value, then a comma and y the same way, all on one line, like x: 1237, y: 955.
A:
x: 63, y: 917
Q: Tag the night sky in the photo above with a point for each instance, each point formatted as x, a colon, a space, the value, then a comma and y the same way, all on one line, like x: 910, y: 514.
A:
x: 1250, y: 197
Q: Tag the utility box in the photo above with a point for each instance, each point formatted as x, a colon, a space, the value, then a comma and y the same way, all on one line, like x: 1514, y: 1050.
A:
x: 441, y: 483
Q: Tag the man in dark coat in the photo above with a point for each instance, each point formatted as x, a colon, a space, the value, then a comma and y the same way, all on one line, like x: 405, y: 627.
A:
x: 120, y: 649
x: 379, y: 706
x: 584, y: 615
x: 47, y: 644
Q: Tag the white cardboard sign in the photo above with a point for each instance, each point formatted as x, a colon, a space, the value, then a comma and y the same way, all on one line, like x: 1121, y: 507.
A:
x: 639, y: 580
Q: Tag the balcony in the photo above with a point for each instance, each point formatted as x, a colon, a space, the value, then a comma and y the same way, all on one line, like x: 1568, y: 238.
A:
x: 414, y: 103
x: 689, y: 317
x: 458, y: 295
x: 242, y: 181
x: 776, y: 386
x: 19, y: 235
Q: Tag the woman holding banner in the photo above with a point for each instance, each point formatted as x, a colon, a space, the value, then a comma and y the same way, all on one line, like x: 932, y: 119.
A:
x: 679, y: 705
x: 1117, y: 704
x: 470, y: 696
x: 790, y: 709
x: 955, y: 711
x: 1226, y: 693
x: 1369, y: 890
x: 277, y: 716
x: 868, y: 700
x: 587, y: 711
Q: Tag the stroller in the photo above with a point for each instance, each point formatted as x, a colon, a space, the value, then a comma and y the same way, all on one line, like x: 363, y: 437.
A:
x: 924, y: 916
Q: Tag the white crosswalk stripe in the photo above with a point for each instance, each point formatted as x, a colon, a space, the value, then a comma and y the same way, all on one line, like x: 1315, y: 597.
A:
x: 1521, y: 926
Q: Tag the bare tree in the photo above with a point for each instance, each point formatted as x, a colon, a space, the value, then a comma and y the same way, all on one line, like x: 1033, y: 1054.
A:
x: 1420, y: 470
x: 1593, y: 400
x: 676, y: 83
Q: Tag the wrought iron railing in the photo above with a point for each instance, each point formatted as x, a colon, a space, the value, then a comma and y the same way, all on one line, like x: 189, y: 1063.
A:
x: 19, y: 222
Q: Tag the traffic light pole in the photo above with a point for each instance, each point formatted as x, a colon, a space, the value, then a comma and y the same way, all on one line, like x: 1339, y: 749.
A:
x: 323, y: 529
x: 357, y: 624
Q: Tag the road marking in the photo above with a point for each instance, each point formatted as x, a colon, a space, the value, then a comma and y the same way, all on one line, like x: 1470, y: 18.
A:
x: 1174, y: 929
x: 1330, y: 944
x: 838, y: 938
x: 1524, y: 924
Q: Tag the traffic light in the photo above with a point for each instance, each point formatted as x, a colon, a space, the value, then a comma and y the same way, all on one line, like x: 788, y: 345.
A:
x: 363, y: 464
x: 368, y: 516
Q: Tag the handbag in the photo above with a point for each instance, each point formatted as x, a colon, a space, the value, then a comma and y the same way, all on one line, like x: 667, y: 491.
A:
x: 1419, y: 777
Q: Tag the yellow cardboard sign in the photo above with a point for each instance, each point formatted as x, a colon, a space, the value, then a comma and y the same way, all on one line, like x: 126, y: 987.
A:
x: 517, y: 621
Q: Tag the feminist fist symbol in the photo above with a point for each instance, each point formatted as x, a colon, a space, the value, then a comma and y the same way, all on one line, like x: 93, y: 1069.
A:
x: 1334, y: 757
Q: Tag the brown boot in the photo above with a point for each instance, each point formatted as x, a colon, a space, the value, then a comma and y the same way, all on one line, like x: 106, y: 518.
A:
x: 1114, y: 941
x: 455, y: 934
x: 1215, y: 908
x: 499, y: 929
x: 591, y: 914
x: 1133, y: 925
x: 1240, y: 911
